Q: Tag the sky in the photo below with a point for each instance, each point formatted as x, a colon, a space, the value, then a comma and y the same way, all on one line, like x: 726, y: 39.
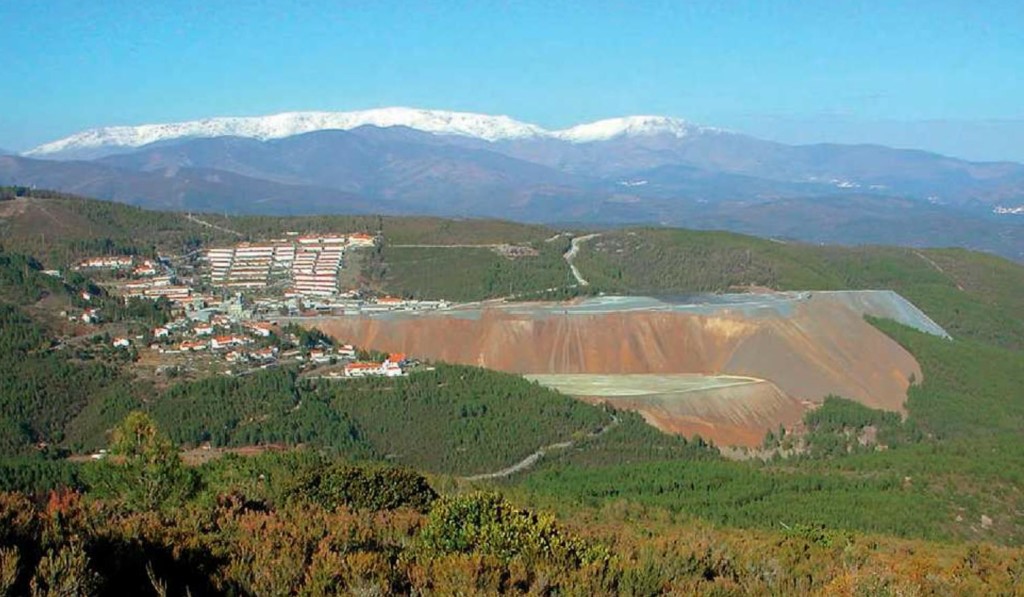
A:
x: 939, y: 75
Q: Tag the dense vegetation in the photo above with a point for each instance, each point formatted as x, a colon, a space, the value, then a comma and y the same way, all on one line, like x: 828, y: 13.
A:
x: 41, y: 390
x: 61, y: 229
x: 293, y: 524
x: 467, y: 274
x: 474, y: 420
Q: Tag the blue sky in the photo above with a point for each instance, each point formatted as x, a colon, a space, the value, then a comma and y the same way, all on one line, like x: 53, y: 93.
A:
x: 932, y: 74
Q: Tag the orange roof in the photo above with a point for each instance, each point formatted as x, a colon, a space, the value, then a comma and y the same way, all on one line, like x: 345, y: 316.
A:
x: 362, y: 365
x: 396, y: 357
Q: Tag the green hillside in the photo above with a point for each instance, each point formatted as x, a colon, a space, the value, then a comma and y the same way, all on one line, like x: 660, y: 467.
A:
x: 59, y: 229
x: 667, y: 508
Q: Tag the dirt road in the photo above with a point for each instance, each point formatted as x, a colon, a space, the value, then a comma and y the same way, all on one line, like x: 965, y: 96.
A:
x: 574, y: 249
x: 532, y: 459
x: 192, y: 218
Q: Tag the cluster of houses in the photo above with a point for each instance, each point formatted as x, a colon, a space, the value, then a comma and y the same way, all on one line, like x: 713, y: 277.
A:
x: 317, y: 265
x: 236, y: 341
x: 209, y: 333
x: 140, y: 267
x: 158, y: 287
x: 109, y: 262
x: 151, y: 279
x: 214, y: 336
x: 312, y: 263
x: 247, y: 266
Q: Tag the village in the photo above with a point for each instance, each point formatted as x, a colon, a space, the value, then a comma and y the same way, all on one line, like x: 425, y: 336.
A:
x: 222, y: 307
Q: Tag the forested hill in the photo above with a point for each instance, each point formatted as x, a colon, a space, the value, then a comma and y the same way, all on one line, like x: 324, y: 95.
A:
x: 59, y: 229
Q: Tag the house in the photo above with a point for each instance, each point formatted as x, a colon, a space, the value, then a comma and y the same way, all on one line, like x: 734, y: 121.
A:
x: 122, y: 342
x: 91, y: 316
x: 148, y: 268
x: 396, y: 358
x: 260, y: 329
x: 389, y: 369
x: 228, y: 341
x: 361, y: 239
x: 192, y: 346
x: 265, y: 355
x: 348, y: 351
x: 161, y: 332
x: 319, y: 356
x: 390, y: 302
x: 362, y: 369
x: 203, y: 330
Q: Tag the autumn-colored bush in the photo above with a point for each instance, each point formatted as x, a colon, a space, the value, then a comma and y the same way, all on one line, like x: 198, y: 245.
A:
x: 475, y: 544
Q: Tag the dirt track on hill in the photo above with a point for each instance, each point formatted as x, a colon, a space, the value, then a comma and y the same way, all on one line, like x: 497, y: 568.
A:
x: 820, y: 348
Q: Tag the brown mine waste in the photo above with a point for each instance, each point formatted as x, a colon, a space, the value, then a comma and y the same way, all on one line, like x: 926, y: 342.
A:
x: 820, y: 348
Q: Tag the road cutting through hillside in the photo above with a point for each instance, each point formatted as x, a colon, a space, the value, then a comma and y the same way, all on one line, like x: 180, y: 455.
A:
x: 532, y: 459
x: 196, y: 220
x: 570, y: 255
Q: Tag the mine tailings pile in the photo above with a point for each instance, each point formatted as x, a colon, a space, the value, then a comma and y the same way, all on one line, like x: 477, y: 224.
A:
x: 728, y: 368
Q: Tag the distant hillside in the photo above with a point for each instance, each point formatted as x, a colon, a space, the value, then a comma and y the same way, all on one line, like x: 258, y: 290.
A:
x: 192, y: 189
x: 59, y: 228
x: 624, y: 171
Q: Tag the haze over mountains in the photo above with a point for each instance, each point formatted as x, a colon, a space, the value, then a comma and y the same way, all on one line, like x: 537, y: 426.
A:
x: 638, y: 169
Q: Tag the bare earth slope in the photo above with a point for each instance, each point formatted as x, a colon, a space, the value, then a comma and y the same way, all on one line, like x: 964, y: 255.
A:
x: 733, y: 410
x: 806, y: 346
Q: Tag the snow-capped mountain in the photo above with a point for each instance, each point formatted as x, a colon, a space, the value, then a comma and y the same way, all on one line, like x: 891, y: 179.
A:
x: 96, y: 142
x: 630, y: 126
x: 632, y: 169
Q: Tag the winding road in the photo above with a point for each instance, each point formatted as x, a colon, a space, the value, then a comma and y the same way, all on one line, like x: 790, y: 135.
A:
x: 574, y: 249
x: 192, y: 218
x: 532, y: 459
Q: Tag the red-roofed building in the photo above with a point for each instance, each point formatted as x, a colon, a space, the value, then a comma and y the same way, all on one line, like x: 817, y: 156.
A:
x: 228, y: 341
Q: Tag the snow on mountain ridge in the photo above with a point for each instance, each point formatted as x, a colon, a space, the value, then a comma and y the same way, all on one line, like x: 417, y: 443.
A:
x: 276, y: 126
x: 632, y: 126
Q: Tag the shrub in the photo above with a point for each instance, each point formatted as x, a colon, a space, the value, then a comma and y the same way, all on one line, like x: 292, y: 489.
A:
x: 487, y: 524
x: 363, y: 488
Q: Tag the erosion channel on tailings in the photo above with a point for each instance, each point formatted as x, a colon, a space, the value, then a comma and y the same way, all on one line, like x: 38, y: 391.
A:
x: 780, y: 353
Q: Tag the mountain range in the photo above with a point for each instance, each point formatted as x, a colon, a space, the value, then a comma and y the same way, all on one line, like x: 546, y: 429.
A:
x: 637, y: 169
